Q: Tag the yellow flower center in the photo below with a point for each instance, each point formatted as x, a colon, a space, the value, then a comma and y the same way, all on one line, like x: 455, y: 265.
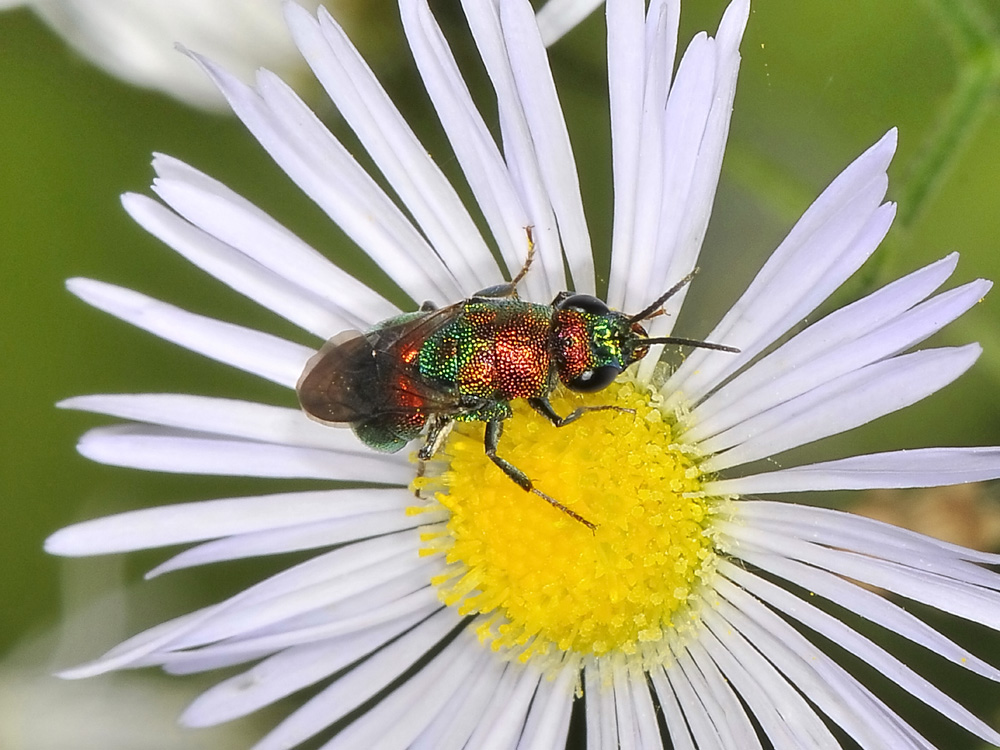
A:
x: 550, y: 584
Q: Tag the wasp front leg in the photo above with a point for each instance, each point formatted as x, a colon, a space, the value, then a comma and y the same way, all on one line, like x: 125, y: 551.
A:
x: 541, y: 405
x: 494, y: 429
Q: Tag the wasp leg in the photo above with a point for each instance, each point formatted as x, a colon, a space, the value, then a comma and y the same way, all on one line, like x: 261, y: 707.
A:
x: 420, y: 474
x: 438, y: 430
x: 543, y: 407
x: 510, y: 288
x: 428, y: 306
x: 494, y: 429
x: 436, y: 434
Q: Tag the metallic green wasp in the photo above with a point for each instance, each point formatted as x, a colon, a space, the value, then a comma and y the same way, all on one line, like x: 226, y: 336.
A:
x: 428, y: 369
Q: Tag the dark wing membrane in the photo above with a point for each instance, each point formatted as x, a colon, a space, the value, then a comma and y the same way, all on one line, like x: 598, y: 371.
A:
x: 358, y: 376
x: 338, y: 383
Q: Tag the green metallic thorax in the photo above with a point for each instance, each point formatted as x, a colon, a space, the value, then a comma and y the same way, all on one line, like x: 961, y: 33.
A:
x: 493, y: 350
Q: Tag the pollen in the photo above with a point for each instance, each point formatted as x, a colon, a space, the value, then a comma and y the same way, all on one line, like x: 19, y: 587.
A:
x: 543, y: 582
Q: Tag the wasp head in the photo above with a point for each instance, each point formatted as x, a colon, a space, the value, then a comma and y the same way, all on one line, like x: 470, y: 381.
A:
x: 594, y: 344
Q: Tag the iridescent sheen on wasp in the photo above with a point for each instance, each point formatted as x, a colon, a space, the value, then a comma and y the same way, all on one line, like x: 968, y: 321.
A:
x: 428, y: 369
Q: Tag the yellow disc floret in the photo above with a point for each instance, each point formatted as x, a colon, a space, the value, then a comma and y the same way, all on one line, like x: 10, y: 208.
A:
x: 550, y: 584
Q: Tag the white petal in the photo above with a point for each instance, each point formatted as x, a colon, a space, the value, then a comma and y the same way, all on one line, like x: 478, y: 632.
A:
x: 602, y: 719
x: 548, y: 719
x: 777, y: 310
x: 624, y: 715
x: 668, y: 259
x: 321, y: 582
x: 861, y: 647
x: 831, y: 688
x: 390, y: 142
x: 211, y: 519
x: 869, y: 605
x: 640, y: 146
x: 681, y: 131
x: 511, y: 679
x: 676, y: 722
x: 409, y: 581
x: 767, y: 692
x: 135, y: 648
x: 851, y: 531
x: 840, y: 405
x: 289, y: 671
x: 922, y: 467
x: 361, y: 683
x: 302, y: 146
x: 550, y: 139
x: 268, y: 356
x: 222, y: 213
x: 939, y: 582
x: 559, y: 16
x: 885, y: 323
x: 628, y: 86
x: 518, y: 146
x: 398, y: 718
x: 452, y: 728
x: 175, y: 451
x: 470, y: 138
x: 621, y: 714
x: 502, y: 726
x: 731, y: 713
x: 229, y: 617
x: 231, y: 267
x: 832, y: 239
x: 728, y: 717
x: 135, y: 41
x: 220, y: 416
x: 296, y: 538
x: 383, y: 605
x: 695, y: 130
x: 648, y: 730
x: 698, y: 709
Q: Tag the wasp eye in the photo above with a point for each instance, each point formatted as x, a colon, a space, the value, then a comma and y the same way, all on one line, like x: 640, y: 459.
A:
x: 593, y: 380
x: 585, y: 303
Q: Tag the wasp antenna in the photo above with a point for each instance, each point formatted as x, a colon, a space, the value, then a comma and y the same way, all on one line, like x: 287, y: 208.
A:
x: 651, y: 310
x: 689, y: 342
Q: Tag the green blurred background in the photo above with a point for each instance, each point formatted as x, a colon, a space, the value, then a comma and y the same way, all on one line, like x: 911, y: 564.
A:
x: 820, y: 82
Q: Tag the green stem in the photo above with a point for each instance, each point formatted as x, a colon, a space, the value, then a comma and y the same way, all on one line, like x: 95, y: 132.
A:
x: 977, y: 48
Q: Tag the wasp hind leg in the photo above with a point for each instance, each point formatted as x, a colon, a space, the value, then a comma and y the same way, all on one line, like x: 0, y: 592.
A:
x: 541, y: 405
x: 494, y: 429
x: 437, y: 433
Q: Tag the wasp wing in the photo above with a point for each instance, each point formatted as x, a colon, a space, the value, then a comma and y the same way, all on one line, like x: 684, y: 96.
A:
x: 337, y: 384
x: 357, y: 376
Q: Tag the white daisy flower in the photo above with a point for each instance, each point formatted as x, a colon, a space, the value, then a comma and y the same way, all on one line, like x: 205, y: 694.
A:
x: 134, y: 39
x: 455, y: 610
